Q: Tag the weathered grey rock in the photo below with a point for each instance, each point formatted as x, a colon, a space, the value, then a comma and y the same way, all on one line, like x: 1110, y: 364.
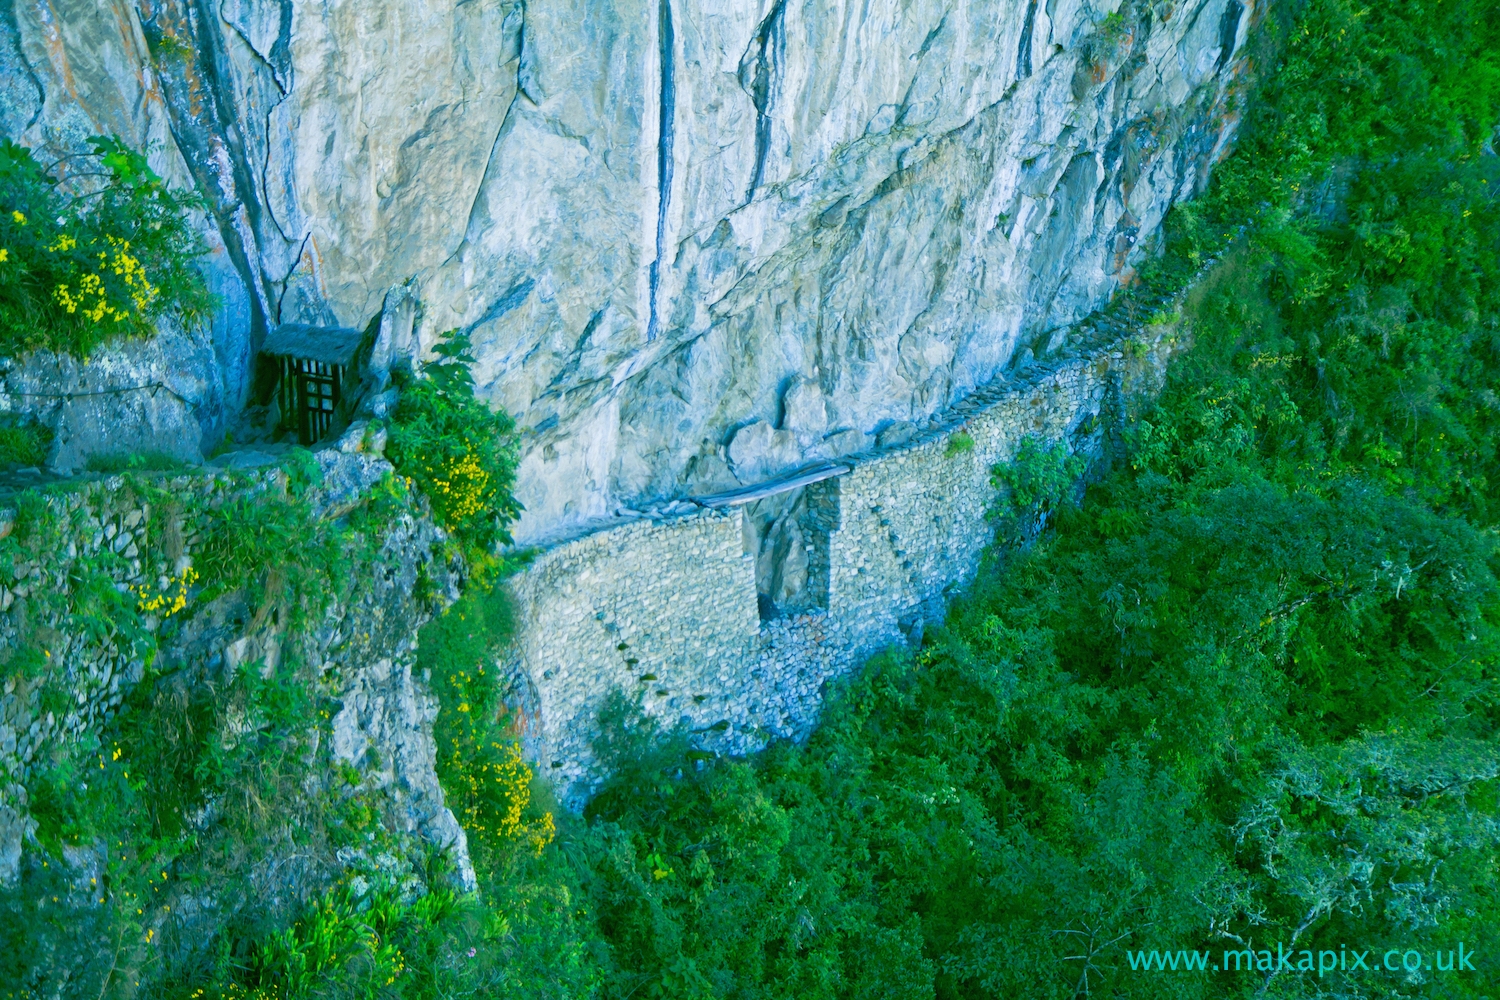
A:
x: 894, y: 434
x: 366, y: 644
x: 660, y: 221
x: 13, y: 830
x: 804, y: 412
x: 386, y: 725
x: 163, y: 395
x: 757, y: 450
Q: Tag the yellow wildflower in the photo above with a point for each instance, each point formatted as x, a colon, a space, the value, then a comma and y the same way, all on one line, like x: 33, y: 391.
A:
x: 168, y: 604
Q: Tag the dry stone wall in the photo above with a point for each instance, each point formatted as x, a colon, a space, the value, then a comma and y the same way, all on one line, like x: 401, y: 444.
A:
x: 664, y: 607
x: 363, y: 644
x: 661, y: 609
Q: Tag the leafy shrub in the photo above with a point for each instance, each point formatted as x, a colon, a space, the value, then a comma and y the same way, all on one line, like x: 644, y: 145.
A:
x: 960, y: 443
x: 487, y: 785
x: 1356, y: 327
x: 92, y: 248
x: 349, y: 934
x: 22, y: 443
x: 456, y: 450
x: 137, y: 461
x: 1041, y: 477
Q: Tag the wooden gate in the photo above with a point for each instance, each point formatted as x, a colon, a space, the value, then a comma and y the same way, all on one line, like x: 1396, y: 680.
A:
x: 313, y: 363
x: 317, y: 395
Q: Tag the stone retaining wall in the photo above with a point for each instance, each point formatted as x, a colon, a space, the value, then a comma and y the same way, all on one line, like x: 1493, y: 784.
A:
x: 363, y: 644
x: 664, y: 607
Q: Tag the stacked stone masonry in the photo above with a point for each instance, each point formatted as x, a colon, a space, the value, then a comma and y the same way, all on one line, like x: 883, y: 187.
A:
x: 364, y: 644
x: 664, y: 608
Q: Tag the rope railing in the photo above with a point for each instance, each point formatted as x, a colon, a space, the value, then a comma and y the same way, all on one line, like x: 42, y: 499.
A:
x: 152, y: 387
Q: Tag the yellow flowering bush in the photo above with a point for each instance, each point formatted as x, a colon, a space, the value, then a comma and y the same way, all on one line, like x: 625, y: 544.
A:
x: 166, y: 602
x: 463, y: 485
x: 91, y: 252
x: 91, y: 298
x: 487, y: 783
x: 457, y: 451
x: 494, y: 789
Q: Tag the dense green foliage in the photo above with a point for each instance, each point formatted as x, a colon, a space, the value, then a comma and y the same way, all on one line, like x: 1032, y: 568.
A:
x: 1365, y: 299
x: 205, y: 775
x: 1243, y: 694
x: 93, y: 247
x: 456, y: 450
x: 22, y: 443
x: 138, y: 461
x: 370, y: 934
x: 487, y: 784
x: 209, y: 780
x: 1239, y: 695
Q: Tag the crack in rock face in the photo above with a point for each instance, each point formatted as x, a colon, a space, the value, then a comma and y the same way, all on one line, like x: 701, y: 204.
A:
x: 654, y: 218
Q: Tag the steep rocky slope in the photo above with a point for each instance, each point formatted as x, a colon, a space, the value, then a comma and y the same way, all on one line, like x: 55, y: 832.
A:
x: 270, y: 712
x: 694, y: 242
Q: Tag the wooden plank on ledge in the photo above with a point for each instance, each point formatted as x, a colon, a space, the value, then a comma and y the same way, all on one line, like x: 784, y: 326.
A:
x: 771, y: 487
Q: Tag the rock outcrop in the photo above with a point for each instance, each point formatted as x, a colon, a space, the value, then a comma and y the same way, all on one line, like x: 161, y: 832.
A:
x: 358, y: 649
x: 164, y: 395
x: 694, y: 242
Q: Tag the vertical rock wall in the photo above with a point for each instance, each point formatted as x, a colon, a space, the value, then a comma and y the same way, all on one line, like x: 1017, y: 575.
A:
x: 695, y: 242
x: 164, y: 395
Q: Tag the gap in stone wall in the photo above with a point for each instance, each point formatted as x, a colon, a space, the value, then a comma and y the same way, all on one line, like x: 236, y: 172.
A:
x: 787, y: 535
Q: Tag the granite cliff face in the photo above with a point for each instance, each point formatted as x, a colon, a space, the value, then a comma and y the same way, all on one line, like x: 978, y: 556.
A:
x: 695, y: 242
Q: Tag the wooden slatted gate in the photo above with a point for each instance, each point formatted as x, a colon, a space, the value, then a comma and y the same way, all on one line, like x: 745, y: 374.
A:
x: 310, y: 390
